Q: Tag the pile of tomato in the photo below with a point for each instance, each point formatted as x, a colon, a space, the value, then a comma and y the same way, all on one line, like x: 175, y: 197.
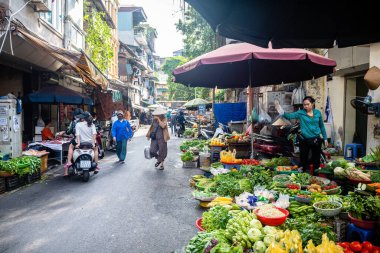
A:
x: 250, y: 162
x: 293, y: 186
x: 365, y: 247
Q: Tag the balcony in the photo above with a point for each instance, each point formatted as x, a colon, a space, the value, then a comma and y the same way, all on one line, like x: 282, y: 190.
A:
x: 140, y: 38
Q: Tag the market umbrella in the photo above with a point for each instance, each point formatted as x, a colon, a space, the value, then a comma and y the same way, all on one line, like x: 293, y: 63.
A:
x: 293, y: 23
x: 56, y: 94
x: 241, y: 65
x: 196, y: 102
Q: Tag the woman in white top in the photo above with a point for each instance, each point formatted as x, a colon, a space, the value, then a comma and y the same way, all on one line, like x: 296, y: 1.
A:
x: 86, y: 132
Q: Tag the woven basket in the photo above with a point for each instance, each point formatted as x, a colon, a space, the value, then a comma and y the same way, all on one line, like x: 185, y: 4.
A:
x: 328, y: 212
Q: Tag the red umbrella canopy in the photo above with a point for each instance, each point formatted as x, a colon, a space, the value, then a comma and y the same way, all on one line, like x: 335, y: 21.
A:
x: 242, y: 64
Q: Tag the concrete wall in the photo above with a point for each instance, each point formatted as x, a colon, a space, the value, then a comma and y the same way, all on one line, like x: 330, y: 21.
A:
x: 336, y: 89
x: 374, y: 60
x: 31, y: 20
x: 350, y: 56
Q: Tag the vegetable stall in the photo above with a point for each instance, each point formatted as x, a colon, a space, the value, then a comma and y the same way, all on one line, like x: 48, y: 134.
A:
x: 270, y: 205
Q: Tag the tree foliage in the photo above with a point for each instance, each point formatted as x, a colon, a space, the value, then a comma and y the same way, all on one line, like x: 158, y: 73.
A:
x: 198, y: 39
x: 98, y: 37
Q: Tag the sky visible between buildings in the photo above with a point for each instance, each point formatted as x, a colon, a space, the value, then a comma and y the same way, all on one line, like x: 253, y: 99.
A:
x: 162, y: 15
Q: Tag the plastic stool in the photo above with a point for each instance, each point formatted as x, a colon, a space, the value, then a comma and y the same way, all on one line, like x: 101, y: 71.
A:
x: 355, y: 147
x: 359, y: 234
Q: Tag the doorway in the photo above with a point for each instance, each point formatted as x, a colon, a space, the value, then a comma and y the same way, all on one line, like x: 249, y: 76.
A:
x: 361, y: 120
x: 355, y: 130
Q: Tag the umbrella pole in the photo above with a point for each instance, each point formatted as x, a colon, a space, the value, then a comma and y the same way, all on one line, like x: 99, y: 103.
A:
x: 213, y: 104
x: 250, y: 101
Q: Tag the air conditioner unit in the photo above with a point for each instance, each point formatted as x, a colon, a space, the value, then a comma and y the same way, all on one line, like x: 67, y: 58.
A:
x: 41, y: 5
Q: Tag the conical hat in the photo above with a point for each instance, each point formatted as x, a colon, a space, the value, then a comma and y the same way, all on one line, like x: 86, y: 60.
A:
x: 372, y: 78
x: 159, y: 111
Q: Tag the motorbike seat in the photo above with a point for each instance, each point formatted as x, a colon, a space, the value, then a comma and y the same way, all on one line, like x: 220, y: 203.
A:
x: 85, y: 145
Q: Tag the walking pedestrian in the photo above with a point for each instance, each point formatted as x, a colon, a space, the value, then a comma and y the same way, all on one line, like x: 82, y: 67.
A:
x: 312, y: 128
x: 172, y: 121
x: 122, y: 133
x: 159, y: 135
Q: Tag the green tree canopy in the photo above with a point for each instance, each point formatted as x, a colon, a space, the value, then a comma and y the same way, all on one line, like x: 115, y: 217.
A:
x: 198, y: 39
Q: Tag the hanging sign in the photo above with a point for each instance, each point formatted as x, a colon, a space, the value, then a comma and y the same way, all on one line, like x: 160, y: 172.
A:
x: 201, y: 109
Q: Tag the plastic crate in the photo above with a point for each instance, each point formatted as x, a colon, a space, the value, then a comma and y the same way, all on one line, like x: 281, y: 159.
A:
x: 13, y: 182
x: 2, y: 185
x: 215, y: 153
x: 340, y: 229
x: 31, y: 178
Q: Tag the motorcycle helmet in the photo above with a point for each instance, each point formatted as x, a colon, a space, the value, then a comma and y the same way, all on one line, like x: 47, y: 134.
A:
x: 77, y: 112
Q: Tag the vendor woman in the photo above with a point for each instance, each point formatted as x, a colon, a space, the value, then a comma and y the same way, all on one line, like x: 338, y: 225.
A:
x: 46, y: 133
x: 312, y: 128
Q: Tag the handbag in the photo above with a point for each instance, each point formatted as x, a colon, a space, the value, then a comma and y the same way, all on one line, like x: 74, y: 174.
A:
x: 153, y: 134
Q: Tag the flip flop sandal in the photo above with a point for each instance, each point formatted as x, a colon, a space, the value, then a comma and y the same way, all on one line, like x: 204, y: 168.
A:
x: 96, y: 171
x: 156, y: 164
x: 162, y: 167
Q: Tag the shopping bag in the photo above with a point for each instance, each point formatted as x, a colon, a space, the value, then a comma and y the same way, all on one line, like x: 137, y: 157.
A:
x: 147, y: 153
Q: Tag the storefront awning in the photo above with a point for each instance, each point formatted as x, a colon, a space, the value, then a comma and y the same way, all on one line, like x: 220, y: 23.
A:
x: 78, y: 61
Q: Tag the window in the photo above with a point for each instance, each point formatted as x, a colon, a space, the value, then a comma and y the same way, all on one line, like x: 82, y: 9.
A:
x: 55, y: 16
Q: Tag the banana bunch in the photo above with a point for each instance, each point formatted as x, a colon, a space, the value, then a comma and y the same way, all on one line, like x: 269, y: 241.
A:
x: 221, y: 201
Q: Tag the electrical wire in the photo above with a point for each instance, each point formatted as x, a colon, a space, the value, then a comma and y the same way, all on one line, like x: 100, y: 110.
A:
x: 9, y: 26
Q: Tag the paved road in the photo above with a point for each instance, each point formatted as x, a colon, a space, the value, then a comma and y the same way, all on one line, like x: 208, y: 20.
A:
x: 125, y: 208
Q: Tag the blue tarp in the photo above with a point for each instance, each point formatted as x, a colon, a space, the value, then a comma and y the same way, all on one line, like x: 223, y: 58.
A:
x: 226, y: 112
x: 55, y: 94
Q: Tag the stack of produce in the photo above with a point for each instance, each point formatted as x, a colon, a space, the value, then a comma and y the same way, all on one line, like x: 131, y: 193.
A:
x: 23, y: 165
x: 216, y: 142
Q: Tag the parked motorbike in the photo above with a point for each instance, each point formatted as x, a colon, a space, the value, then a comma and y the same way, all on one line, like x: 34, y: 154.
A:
x: 285, y: 144
x: 83, y: 162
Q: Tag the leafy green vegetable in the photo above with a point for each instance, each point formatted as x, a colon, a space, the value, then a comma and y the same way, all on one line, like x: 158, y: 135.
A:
x: 198, y: 243
x: 301, y: 178
x: 187, y: 157
x: 216, y: 218
x: 310, y: 228
x: 364, y: 207
x: 278, y: 161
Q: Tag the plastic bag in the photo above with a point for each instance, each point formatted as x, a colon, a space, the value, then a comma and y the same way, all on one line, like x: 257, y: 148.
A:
x: 264, y: 116
x: 278, y: 107
x: 254, y: 115
x: 282, y: 201
x: 147, y: 153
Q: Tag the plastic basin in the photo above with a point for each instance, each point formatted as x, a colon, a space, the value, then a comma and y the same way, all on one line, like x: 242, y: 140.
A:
x: 273, y: 221
x: 198, y: 224
x: 362, y: 223
x: 328, y: 212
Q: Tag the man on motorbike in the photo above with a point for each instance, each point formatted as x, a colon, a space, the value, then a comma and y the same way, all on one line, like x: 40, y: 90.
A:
x: 85, y: 132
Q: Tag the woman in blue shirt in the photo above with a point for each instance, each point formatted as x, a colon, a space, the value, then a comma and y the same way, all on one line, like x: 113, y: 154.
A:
x: 121, y: 133
x: 312, y: 128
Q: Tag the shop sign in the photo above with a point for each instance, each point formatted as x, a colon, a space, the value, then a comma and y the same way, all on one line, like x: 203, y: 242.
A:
x: 201, y: 109
x: 3, y: 110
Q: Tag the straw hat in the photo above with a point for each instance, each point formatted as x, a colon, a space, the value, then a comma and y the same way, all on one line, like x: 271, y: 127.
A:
x: 159, y: 111
x: 372, y: 78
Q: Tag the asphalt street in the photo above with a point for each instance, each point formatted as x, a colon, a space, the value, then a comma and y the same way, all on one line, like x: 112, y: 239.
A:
x: 129, y: 207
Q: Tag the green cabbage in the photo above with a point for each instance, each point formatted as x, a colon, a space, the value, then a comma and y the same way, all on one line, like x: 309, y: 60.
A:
x: 255, y: 224
x: 268, y: 240
x: 254, y: 234
x: 269, y: 230
x: 259, y: 247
